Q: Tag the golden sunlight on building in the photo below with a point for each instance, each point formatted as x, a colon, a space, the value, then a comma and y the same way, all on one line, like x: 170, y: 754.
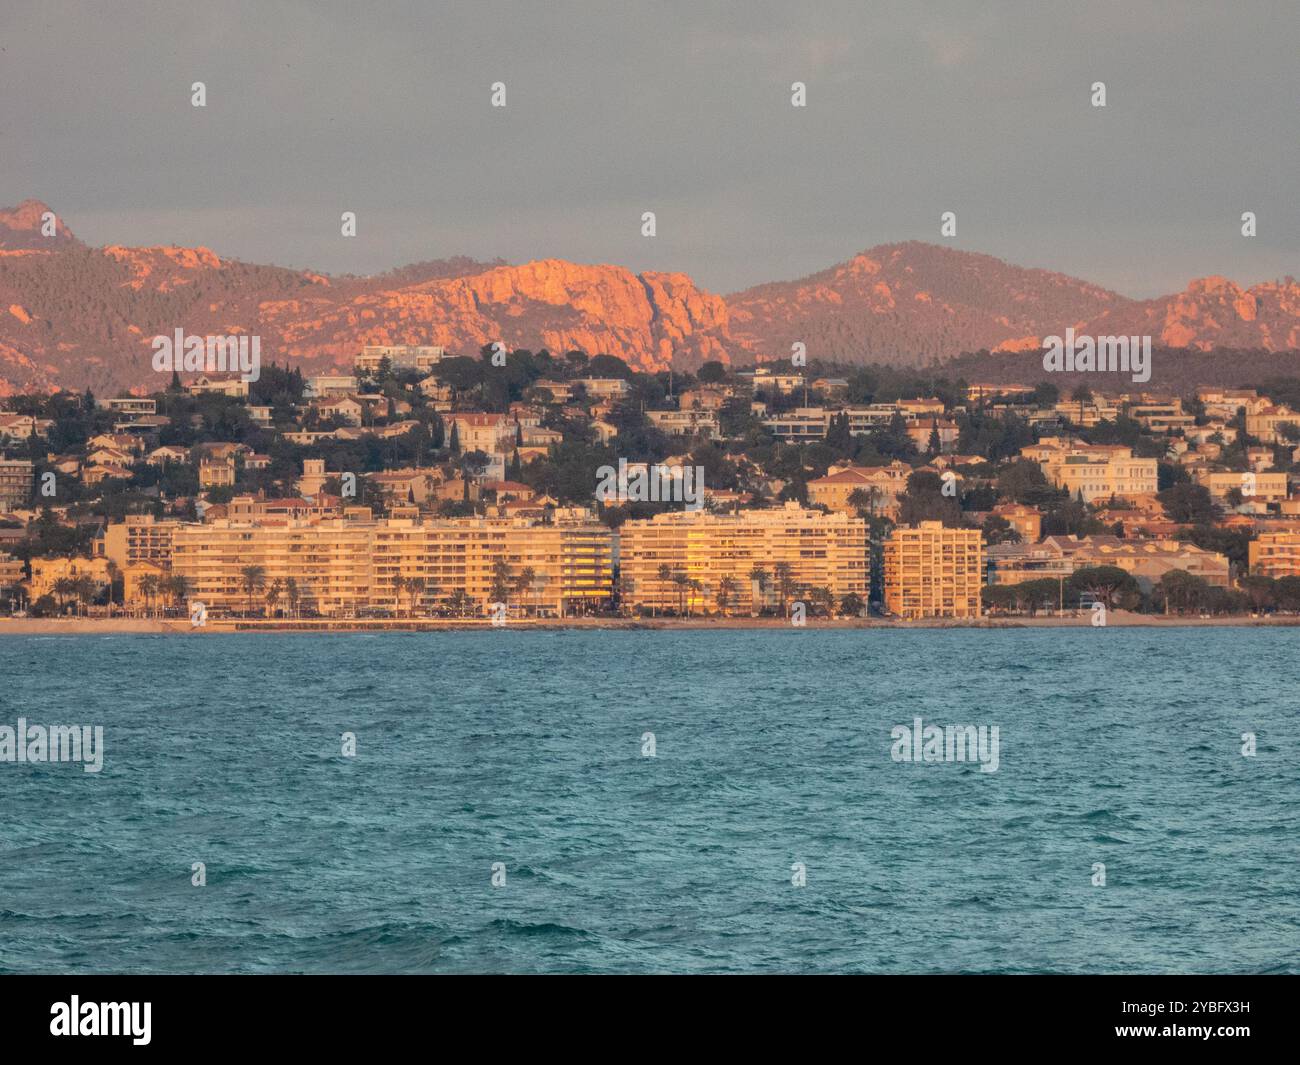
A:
x: 347, y: 566
x: 933, y: 572
x: 737, y: 563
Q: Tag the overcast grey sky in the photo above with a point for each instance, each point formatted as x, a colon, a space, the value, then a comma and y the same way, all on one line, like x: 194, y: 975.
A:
x: 681, y: 108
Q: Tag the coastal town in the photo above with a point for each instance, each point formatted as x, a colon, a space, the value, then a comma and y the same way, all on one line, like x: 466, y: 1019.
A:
x: 423, y: 486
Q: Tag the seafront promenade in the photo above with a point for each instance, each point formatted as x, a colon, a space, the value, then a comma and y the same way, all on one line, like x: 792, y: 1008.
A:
x: 179, y: 626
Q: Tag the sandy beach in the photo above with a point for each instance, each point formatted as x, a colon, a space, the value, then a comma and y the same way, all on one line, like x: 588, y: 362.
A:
x: 106, y: 626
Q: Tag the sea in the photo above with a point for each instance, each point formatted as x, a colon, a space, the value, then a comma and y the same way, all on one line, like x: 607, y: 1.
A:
x: 702, y: 801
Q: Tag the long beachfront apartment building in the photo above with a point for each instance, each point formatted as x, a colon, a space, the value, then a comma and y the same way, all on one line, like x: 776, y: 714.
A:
x: 346, y: 566
x: 710, y: 555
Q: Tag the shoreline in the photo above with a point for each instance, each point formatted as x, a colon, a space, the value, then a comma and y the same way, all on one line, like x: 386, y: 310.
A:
x: 182, y: 627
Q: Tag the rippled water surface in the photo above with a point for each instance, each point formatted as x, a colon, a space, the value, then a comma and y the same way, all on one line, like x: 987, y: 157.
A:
x: 1120, y: 746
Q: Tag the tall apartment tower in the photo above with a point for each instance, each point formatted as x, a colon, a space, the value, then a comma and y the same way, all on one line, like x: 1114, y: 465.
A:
x: 934, y: 572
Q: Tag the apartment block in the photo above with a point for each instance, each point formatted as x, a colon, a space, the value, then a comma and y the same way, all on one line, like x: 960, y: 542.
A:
x: 1094, y: 472
x: 15, y: 483
x: 1275, y: 554
x: 685, y: 422
x: 1267, y: 422
x: 489, y: 433
x: 880, y: 485
x: 1257, y: 487
x: 934, y: 572
x: 139, y: 538
x: 419, y: 357
x: 11, y: 571
x: 1058, y: 557
x: 342, y: 567
x: 702, y: 550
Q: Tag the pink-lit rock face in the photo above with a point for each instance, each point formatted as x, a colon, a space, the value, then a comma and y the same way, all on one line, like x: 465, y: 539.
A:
x: 79, y: 316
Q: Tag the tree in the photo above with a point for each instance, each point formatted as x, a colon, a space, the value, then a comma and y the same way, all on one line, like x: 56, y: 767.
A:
x: 1032, y: 596
x: 1189, y: 504
x: 924, y: 501
x: 725, y: 595
x: 784, y: 582
x: 758, y: 577
x: 822, y: 600
x: 852, y: 605
x: 998, y: 598
x: 84, y: 589
x: 292, y: 594
x: 997, y: 530
x: 178, y: 588
x: 711, y: 373
x: 501, y: 580
x: 1260, y: 591
x: 1182, y: 591
x: 254, y: 580
x: 683, y: 583
x: 665, y: 574
x: 1022, y: 481
x: 863, y: 499
x: 273, y: 594
x: 524, y: 582
x: 1081, y: 395
x: 148, y: 588
x: 1109, y: 585
x: 1287, y: 592
x: 894, y: 441
x: 414, y: 590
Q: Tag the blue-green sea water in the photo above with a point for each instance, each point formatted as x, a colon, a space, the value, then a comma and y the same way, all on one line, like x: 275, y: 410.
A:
x: 1117, y: 746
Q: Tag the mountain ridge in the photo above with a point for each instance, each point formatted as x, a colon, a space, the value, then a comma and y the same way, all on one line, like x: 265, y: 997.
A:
x: 73, y: 316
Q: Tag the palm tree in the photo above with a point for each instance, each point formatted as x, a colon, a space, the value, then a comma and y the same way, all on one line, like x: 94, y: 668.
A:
x: 822, y: 599
x: 725, y: 595
x: 1083, y: 394
x: 758, y: 575
x: 178, y: 587
x: 784, y: 582
x: 292, y: 594
x: 148, y: 588
x: 254, y: 581
x: 501, y: 581
x: 665, y: 574
x: 273, y: 594
x: 114, y: 574
x: 84, y: 589
x: 524, y: 582
x: 683, y: 582
x: 698, y: 590
x: 63, y: 590
x: 414, y: 590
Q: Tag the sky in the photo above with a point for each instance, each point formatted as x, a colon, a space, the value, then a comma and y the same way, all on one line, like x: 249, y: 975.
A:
x: 684, y: 109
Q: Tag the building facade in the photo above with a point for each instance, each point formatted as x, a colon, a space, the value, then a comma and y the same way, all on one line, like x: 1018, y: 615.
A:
x: 711, y: 555
x: 351, y: 565
x: 934, y: 572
